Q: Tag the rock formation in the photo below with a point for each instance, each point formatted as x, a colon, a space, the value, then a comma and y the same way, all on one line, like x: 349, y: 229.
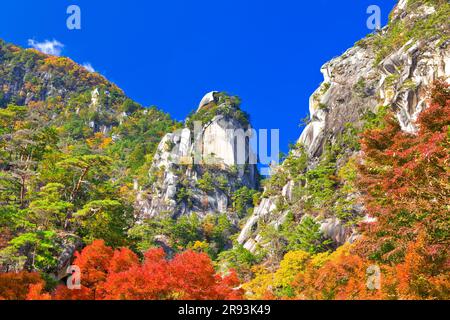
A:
x: 197, y: 169
x: 362, y: 80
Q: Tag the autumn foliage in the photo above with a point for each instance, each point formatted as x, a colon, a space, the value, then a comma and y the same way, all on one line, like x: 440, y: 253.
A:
x: 67, y: 66
x: 405, y: 178
x: 119, y: 275
x: 16, y: 286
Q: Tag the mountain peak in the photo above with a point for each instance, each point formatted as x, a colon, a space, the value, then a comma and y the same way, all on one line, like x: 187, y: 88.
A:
x: 207, y: 99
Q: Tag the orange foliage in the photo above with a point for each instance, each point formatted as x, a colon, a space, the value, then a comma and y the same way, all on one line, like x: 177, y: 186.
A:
x: 189, y: 276
x: 118, y: 275
x: 123, y: 260
x: 343, y: 279
x: 35, y: 293
x: 346, y: 278
x: 99, y: 141
x: 406, y: 177
x: 195, y: 278
x: 63, y: 293
x: 94, y: 263
x: 149, y: 281
x: 423, y: 274
x: 15, y: 286
x: 67, y: 66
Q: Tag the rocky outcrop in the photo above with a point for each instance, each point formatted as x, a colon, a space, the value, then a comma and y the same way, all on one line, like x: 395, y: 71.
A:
x: 197, y: 169
x: 207, y: 99
x: 336, y: 102
x: 69, y: 245
x: 354, y: 84
x: 413, y: 69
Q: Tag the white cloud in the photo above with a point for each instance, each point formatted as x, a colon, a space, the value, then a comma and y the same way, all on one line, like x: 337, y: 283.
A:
x: 88, y: 67
x: 48, y: 47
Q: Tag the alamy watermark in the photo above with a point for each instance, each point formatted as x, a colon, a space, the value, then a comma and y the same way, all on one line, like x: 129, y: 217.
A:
x: 74, y: 278
x: 373, y: 277
x: 374, y: 20
x: 236, y: 147
x: 73, y: 22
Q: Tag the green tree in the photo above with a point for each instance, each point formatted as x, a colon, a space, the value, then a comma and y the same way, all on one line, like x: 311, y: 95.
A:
x: 240, y: 259
x: 243, y: 200
x: 104, y: 219
x: 36, y: 250
x: 305, y: 236
x: 85, y: 170
x: 206, y: 183
x: 49, y: 210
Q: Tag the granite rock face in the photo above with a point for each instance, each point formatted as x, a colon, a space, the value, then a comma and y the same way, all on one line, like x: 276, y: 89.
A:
x: 207, y: 99
x: 69, y: 245
x: 354, y: 84
x: 197, y: 170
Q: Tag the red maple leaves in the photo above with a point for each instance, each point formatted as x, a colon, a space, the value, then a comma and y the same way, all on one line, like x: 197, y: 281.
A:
x: 407, y: 178
x: 118, y: 275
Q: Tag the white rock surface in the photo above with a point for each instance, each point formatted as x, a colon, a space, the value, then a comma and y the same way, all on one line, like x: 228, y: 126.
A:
x: 352, y: 86
x: 177, y: 160
x: 207, y: 99
x: 218, y: 141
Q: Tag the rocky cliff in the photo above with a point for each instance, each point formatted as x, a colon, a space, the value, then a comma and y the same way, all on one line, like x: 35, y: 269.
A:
x: 390, y: 69
x: 197, y: 169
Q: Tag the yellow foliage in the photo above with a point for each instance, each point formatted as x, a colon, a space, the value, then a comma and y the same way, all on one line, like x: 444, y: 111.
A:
x: 320, y: 259
x: 201, y: 246
x: 294, y: 262
x: 342, y: 251
x: 99, y: 141
x: 69, y: 67
x: 268, y: 284
x: 261, y: 286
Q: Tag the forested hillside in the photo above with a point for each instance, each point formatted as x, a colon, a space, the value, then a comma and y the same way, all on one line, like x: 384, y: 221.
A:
x: 358, y: 209
x: 72, y: 146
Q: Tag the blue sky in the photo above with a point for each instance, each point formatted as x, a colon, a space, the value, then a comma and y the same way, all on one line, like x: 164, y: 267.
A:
x: 169, y: 53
